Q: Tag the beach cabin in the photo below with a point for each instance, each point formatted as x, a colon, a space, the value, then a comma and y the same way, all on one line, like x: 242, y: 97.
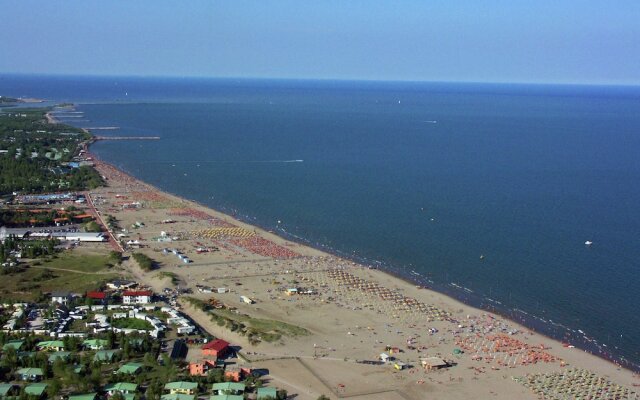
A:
x: 217, y: 348
x: 246, y: 299
x: 384, y: 357
x: 181, y: 387
x: 291, y: 291
x: 431, y: 363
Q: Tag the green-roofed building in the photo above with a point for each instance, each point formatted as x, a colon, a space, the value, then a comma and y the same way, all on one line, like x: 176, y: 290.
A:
x: 228, y: 388
x: 177, y: 396
x: 51, y: 345
x: 181, y: 387
x: 105, y: 355
x: 78, y: 369
x: 7, y: 389
x: 130, y: 368
x: 226, y: 397
x: 95, y: 344
x: 30, y: 374
x: 59, y: 355
x: 267, y: 393
x: 14, y: 344
x: 121, y: 387
x: 85, y: 396
x: 35, y: 389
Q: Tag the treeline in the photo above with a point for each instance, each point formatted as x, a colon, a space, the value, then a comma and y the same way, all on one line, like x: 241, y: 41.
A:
x: 27, y: 138
x: 27, y: 248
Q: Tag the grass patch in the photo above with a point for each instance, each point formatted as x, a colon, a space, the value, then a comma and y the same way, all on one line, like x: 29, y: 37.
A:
x: 70, y: 271
x: 132, y: 323
x: 172, y: 277
x: 256, y: 329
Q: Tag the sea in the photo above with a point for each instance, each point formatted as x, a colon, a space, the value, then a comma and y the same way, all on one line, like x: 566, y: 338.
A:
x: 485, y: 192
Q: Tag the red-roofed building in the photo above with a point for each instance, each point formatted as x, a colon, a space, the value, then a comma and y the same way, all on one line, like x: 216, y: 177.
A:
x: 96, y: 295
x: 137, y: 296
x: 218, y: 348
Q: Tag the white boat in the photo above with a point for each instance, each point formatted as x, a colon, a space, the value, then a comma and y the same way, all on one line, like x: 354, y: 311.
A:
x: 588, y: 243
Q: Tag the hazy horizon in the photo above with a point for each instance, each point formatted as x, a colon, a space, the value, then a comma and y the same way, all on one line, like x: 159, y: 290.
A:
x: 570, y: 42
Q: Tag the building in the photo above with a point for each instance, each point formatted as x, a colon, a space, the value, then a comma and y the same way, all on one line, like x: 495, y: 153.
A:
x: 267, y: 393
x: 14, y: 344
x: 430, y: 363
x: 130, y: 368
x: 51, y: 345
x: 105, y: 355
x: 217, y: 348
x: 95, y: 344
x: 8, y: 390
x: 35, y: 390
x: 202, y: 368
x: 127, y: 390
x: 29, y: 374
x: 181, y: 387
x: 59, y: 355
x: 121, y: 285
x: 85, y: 396
x: 99, y: 296
x: 177, y: 396
x: 60, y: 297
x: 137, y: 296
x: 236, y: 374
x: 228, y: 388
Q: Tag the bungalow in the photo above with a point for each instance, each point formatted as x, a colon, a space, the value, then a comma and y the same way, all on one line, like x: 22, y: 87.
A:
x: 228, y: 388
x: 130, y: 368
x: 202, y: 368
x: 8, y: 390
x: 50, y: 345
x: 59, y: 355
x: 137, y: 296
x: 127, y: 390
x: 14, y: 344
x: 217, y: 348
x: 177, y: 396
x: 267, y: 393
x: 105, y: 355
x: 85, y: 396
x: 60, y: 297
x: 181, y: 387
x: 30, y: 374
x: 95, y: 344
x: 226, y: 397
x: 35, y: 389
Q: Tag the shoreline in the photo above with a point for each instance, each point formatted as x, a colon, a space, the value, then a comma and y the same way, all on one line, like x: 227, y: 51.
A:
x: 395, y: 273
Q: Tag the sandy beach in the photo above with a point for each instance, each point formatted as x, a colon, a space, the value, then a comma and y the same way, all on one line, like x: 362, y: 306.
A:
x: 351, y: 313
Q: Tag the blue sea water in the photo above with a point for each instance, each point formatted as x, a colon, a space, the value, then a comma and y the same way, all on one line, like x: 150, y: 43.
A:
x: 418, y: 178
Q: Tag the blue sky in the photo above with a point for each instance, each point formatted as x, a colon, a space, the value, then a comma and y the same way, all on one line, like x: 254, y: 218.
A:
x: 477, y: 40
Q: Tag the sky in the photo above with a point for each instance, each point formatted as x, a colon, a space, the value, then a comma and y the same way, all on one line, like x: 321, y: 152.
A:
x: 541, y: 41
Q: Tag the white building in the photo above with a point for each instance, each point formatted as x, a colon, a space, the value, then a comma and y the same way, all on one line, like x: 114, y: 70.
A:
x: 137, y: 297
